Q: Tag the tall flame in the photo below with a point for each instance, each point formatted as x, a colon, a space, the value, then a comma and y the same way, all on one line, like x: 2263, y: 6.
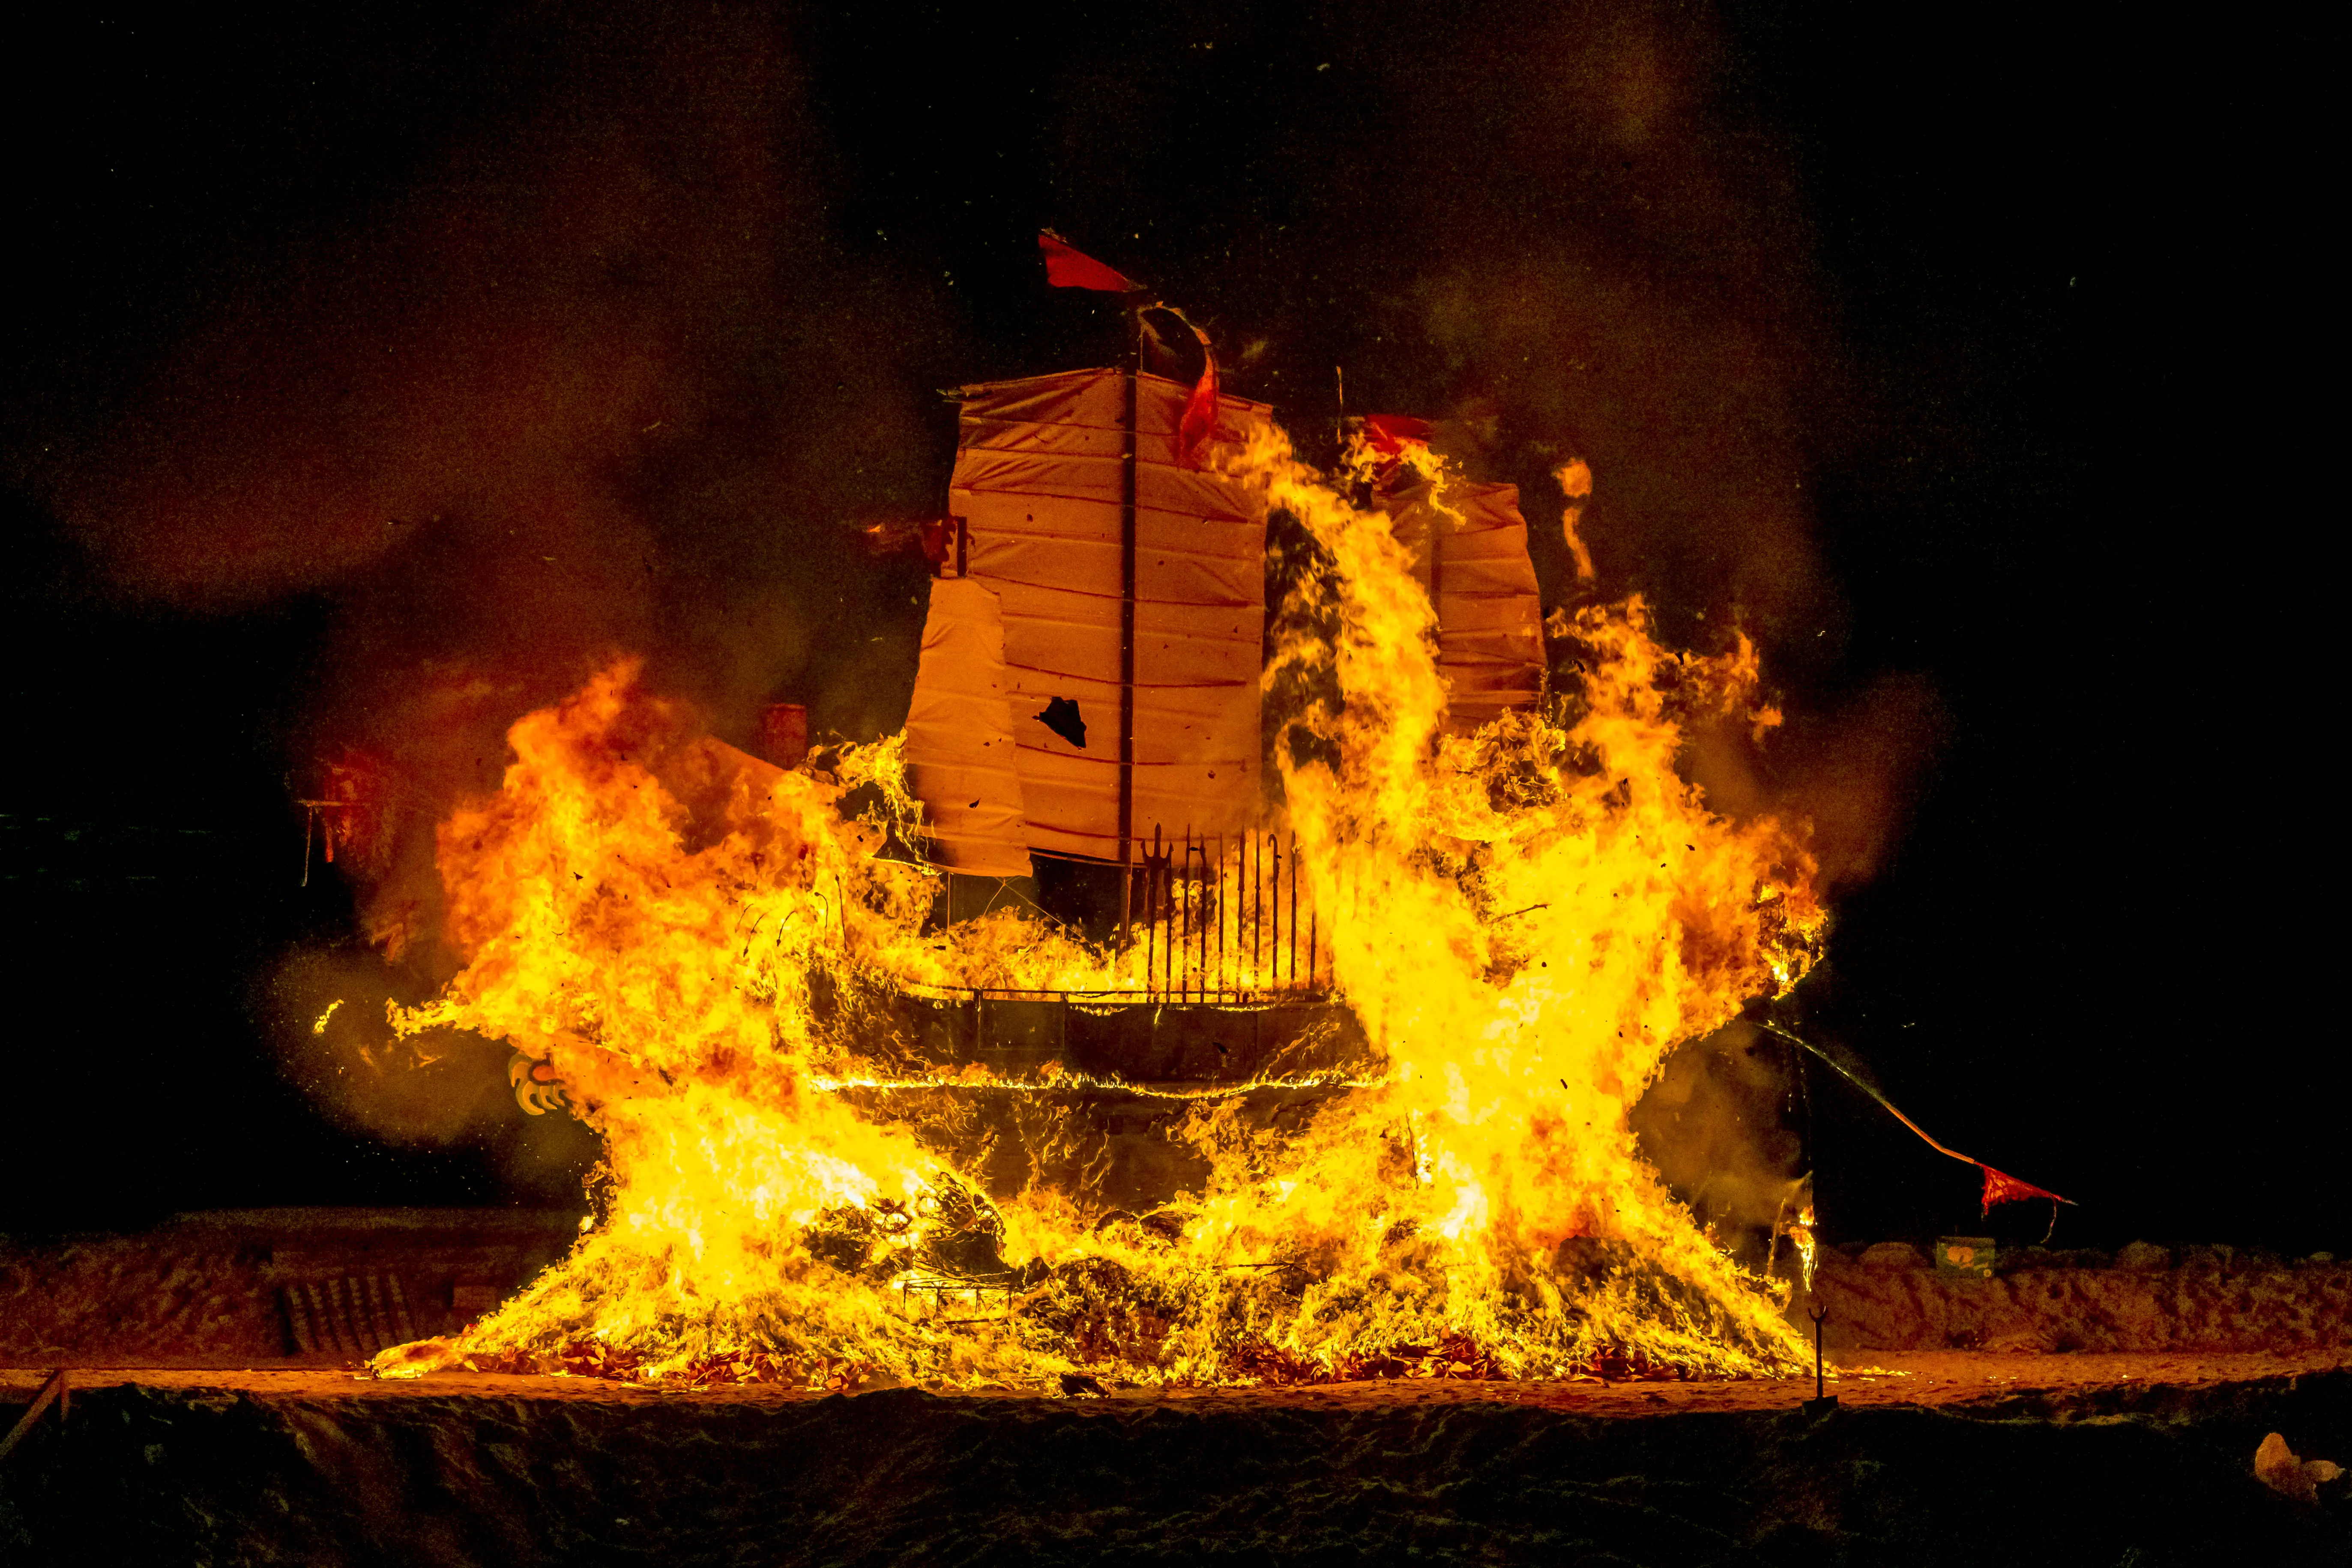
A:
x: 1526, y: 921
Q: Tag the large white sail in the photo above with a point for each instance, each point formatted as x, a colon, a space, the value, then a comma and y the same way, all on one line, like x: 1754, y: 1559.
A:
x: 1041, y: 487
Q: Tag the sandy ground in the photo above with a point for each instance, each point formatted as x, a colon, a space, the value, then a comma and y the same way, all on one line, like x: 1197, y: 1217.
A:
x: 1914, y: 1378
x: 2074, y: 1411
x: 220, y: 1290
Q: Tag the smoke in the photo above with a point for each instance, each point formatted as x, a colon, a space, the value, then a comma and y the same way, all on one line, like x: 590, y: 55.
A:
x: 596, y: 381
x: 1600, y: 244
x: 600, y: 376
x: 1715, y: 1124
x: 324, y: 1008
x: 1616, y: 267
x: 1849, y: 772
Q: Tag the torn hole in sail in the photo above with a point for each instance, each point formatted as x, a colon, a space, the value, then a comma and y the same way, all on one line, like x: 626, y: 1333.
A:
x: 1061, y: 716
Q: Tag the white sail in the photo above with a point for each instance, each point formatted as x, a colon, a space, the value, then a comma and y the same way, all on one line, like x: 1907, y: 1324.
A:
x: 1470, y: 551
x: 1039, y: 484
x: 960, y: 746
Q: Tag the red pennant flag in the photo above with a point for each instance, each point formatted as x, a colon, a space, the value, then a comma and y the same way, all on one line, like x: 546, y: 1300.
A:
x: 2000, y: 1188
x: 1069, y: 268
x: 1199, y: 419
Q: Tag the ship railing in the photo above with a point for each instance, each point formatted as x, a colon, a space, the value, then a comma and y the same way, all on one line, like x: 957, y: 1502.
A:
x: 1215, y: 915
x: 1121, y: 995
x: 1210, y: 919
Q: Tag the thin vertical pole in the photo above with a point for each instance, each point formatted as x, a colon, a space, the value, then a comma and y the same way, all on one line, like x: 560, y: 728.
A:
x: 1195, y: 963
x: 1273, y: 911
x: 1127, y: 634
x: 1200, y: 920
x: 1150, y: 926
x: 1436, y: 575
x: 1314, y: 917
x: 1294, y: 906
x: 1257, y: 908
x: 1178, y: 934
x: 1191, y: 920
x: 1161, y: 906
x: 1220, y: 912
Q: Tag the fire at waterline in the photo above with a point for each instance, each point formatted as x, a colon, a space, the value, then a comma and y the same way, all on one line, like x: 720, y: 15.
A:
x: 1209, y: 983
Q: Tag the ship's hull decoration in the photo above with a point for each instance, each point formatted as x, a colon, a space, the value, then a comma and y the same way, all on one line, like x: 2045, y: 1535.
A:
x: 1040, y: 492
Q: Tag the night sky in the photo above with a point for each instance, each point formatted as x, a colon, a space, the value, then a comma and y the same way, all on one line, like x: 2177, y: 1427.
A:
x: 371, y: 375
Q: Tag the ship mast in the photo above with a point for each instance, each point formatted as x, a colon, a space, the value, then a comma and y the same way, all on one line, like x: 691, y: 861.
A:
x: 1127, y: 629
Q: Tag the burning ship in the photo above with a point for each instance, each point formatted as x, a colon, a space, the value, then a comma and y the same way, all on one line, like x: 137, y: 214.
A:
x: 1244, y: 963
x: 1086, y: 742
x: 1088, y: 730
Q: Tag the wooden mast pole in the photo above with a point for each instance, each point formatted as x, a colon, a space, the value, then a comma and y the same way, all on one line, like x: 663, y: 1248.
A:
x: 1126, y: 637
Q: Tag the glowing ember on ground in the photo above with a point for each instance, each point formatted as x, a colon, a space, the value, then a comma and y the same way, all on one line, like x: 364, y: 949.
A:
x: 1526, y: 921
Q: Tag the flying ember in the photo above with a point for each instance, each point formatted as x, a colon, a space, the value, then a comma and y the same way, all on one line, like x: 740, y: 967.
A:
x: 1078, y: 1032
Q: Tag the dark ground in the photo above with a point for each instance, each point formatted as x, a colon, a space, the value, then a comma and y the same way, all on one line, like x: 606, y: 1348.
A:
x: 2154, y: 1474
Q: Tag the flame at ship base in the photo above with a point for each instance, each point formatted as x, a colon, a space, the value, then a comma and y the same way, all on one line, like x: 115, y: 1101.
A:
x: 1526, y: 919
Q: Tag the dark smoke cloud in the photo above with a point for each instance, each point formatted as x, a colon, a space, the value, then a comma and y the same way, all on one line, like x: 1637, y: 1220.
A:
x: 1849, y: 773
x: 1598, y: 242
x: 1716, y: 1126
x: 598, y: 374
x: 324, y: 1009
x: 597, y: 381
x: 1619, y: 271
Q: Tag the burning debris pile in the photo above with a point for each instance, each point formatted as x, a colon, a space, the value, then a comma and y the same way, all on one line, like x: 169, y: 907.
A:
x: 701, y: 951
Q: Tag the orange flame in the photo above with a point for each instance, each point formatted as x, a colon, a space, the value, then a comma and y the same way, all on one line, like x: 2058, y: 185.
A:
x: 1526, y: 921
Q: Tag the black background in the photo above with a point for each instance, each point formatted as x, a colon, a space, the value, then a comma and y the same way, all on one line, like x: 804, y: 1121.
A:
x: 2026, y: 402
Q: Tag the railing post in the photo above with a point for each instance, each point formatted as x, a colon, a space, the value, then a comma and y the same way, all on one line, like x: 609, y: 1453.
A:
x: 1293, y: 907
x: 1257, y: 894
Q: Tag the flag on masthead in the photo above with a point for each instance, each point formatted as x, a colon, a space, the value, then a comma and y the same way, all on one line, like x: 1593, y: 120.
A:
x: 1069, y: 268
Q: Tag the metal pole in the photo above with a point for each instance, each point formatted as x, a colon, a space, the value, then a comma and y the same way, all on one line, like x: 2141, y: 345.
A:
x: 1150, y: 904
x: 1821, y: 1400
x: 1257, y: 908
x: 1190, y: 921
x: 1274, y: 975
x: 1294, y: 906
x: 1200, y: 920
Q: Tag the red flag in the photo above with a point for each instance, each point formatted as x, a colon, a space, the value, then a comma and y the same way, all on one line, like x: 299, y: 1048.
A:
x: 1069, y: 268
x: 1390, y: 434
x: 2000, y: 1188
x: 1199, y: 419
